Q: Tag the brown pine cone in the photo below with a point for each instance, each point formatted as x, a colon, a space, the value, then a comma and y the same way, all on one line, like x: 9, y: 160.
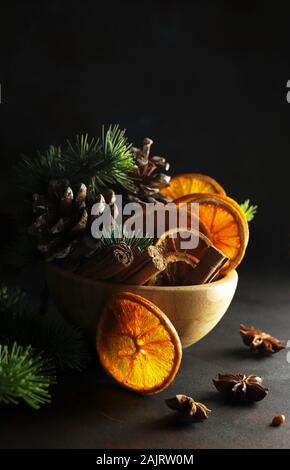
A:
x: 63, y: 219
x: 149, y: 175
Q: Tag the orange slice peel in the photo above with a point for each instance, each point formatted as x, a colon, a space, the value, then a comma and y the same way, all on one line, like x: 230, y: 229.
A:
x: 226, y: 225
x: 190, y: 183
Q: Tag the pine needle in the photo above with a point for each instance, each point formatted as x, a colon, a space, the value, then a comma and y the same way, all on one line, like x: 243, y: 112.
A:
x: 24, y: 375
x: 115, y: 150
x: 131, y: 239
x: 249, y: 210
x: 95, y: 162
x: 33, y: 174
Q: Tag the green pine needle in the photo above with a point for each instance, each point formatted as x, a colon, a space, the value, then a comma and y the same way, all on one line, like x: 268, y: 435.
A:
x: 101, y: 162
x: 24, y: 375
x: 80, y: 159
x: 116, y: 150
x: 33, y: 174
x: 58, y: 340
x: 249, y: 210
x: 133, y: 240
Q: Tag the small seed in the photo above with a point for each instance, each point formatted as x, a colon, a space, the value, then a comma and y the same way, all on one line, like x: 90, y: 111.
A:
x: 278, y: 420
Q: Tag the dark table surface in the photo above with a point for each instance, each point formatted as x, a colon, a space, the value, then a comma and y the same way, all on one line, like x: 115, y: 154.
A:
x: 90, y: 411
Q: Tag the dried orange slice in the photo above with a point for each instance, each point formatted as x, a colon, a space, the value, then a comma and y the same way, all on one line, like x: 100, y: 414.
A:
x: 179, y: 270
x: 190, y: 183
x: 226, y: 224
x: 184, y: 240
x: 137, y: 344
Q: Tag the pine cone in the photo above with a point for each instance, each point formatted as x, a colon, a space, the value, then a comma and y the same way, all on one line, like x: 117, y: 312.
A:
x: 149, y: 175
x: 63, y: 219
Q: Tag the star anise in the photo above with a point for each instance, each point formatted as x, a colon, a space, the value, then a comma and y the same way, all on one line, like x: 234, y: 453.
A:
x: 241, y: 386
x: 260, y: 341
x: 188, y: 407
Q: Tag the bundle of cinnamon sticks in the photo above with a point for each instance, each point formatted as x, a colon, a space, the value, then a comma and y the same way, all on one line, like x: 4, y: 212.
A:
x: 120, y: 263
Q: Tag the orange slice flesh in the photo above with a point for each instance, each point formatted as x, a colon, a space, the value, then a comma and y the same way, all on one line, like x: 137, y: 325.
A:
x: 178, y: 271
x: 137, y: 344
x: 226, y: 224
x: 183, y: 240
x: 190, y: 183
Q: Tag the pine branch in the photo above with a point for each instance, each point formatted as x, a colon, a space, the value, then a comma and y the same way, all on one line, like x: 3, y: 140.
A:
x: 106, y: 161
x: 249, y: 210
x: 59, y: 341
x: 80, y: 159
x: 24, y: 375
x: 115, y: 149
x: 33, y: 174
x: 102, y: 162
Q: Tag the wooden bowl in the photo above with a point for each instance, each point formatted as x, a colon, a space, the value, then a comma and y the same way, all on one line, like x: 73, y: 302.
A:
x: 193, y: 310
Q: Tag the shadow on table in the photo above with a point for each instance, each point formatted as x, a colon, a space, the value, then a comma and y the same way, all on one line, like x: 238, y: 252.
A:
x: 216, y: 398
x: 242, y: 353
x: 171, y: 422
x: 79, y: 395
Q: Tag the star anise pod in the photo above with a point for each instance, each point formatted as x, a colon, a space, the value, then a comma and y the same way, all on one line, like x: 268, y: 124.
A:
x: 241, y: 386
x: 188, y: 407
x: 260, y: 341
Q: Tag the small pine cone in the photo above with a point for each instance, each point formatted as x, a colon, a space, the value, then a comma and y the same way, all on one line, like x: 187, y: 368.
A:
x: 149, y: 174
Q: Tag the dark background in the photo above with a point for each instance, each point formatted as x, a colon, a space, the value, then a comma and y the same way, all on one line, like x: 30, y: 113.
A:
x: 206, y: 80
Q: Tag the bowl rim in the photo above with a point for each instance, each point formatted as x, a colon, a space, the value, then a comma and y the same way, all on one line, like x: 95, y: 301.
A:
x: 68, y: 274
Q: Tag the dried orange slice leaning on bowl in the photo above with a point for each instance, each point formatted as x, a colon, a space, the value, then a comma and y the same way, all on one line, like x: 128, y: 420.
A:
x: 226, y: 224
x: 137, y: 344
x: 190, y: 183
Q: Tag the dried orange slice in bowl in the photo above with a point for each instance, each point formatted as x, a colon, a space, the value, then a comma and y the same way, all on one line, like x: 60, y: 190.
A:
x: 186, y: 240
x: 137, y: 344
x: 190, y: 183
x: 226, y: 225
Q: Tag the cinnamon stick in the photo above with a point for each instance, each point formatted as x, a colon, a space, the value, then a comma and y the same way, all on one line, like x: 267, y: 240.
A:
x: 209, y: 266
x: 116, y: 259
x: 145, y: 265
